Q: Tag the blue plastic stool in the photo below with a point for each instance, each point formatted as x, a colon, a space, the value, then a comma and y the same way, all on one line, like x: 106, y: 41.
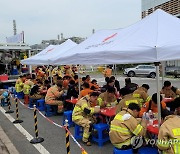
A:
x: 4, y: 103
x: 41, y: 104
x: 78, y: 131
x: 101, y: 138
x: 68, y: 116
x: 118, y: 151
x: 32, y: 102
x: 50, y: 110
x: 20, y: 95
x: 146, y: 150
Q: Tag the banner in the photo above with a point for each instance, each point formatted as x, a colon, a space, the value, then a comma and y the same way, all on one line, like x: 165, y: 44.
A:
x: 18, y: 38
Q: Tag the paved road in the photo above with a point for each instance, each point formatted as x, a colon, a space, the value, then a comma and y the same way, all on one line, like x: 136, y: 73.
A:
x: 54, y: 136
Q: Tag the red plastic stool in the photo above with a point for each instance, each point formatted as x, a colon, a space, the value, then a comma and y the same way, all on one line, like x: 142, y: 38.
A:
x: 26, y: 99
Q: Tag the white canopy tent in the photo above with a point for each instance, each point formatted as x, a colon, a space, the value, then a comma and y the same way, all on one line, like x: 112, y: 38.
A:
x: 155, y: 38
x: 50, y: 54
x: 152, y: 39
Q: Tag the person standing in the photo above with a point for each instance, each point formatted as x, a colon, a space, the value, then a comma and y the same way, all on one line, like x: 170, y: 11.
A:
x: 107, y: 72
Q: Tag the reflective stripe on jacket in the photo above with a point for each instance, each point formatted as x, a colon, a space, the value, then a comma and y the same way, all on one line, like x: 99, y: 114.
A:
x: 169, y: 135
x: 124, y: 127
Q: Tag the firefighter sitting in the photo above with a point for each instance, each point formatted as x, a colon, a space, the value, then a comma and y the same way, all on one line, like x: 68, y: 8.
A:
x: 125, y: 126
x: 152, y: 105
x: 108, y: 98
x: 169, y: 133
x: 53, y: 95
x: 83, y: 115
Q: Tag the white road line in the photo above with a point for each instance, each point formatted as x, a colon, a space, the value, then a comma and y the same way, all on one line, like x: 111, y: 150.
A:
x: 38, y: 146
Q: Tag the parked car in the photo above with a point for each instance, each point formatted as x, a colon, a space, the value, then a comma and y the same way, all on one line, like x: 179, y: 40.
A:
x: 174, y: 71
x: 147, y: 70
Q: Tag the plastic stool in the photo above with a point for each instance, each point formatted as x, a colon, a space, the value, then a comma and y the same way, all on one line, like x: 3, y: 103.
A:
x: 68, y: 116
x: 3, y: 102
x: 50, y: 110
x: 118, y: 151
x: 26, y: 99
x: 41, y: 104
x: 32, y: 102
x: 100, y: 128
x: 78, y: 131
x: 20, y: 95
x: 146, y: 150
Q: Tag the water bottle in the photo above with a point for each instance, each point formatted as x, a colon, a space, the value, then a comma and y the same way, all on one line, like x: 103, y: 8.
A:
x: 151, y: 117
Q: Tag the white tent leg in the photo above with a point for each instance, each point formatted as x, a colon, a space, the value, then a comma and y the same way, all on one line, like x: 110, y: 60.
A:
x: 30, y: 66
x: 50, y: 68
x: 163, y: 71
x: 158, y: 93
x: 79, y: 78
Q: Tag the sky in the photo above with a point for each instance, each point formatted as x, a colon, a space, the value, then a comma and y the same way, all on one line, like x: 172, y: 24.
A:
x: 45, y: 19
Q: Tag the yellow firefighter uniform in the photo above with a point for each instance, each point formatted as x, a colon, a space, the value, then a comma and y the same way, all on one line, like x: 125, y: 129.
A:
x: 52, y: 97
x: 80, y: 117
x: 124, y: 127
x: 141, y: 95
x: 105, y: 98
x: 28, y: 84
x: 169, y: 135
x: 19, y: 85
x: 126, y: 100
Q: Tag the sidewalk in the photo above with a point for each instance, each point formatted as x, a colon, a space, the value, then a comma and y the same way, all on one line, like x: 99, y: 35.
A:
x: 6, y: 146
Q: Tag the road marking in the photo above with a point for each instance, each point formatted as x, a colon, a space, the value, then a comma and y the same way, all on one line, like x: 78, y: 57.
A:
x: 38, y: 146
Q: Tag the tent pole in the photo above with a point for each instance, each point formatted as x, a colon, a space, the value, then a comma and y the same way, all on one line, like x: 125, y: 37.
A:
x: 50, y: 68
x: 79, y: 79
x: 158, y: 93
x: 30, y: 66
x: 163, y: 71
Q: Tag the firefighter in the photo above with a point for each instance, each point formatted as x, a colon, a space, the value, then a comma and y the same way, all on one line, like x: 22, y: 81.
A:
x: 125, y: 126
x: 107, y: 72
x: 19, y: 84
x: 127, y: 98
x: 176, y: 105
x: 83, y: 115
x: 107, y: 98
x: 141, y: 94
x: 53, y: 96
x: 152, y: 105
x: 169, y: 90
x: 28, y: 84
x: 169, y: 133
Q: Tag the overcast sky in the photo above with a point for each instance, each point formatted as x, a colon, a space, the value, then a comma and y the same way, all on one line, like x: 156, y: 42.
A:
x: 45, y: 19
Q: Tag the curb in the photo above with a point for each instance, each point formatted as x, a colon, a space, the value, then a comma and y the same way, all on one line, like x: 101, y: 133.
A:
x: 6, y: 141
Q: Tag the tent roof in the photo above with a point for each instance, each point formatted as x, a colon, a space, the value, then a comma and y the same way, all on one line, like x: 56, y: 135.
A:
x: 152, y: 39
x: 49, y: 54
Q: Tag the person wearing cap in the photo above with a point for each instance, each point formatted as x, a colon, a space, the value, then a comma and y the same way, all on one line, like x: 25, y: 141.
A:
x: 107, y: 98
x: 152, y: 105
x: 169, y: 90
x: 125, y: 126
x: 127, y: 98
x: 169, y: 133
x: 141, y: 94
x: 83, y: 115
